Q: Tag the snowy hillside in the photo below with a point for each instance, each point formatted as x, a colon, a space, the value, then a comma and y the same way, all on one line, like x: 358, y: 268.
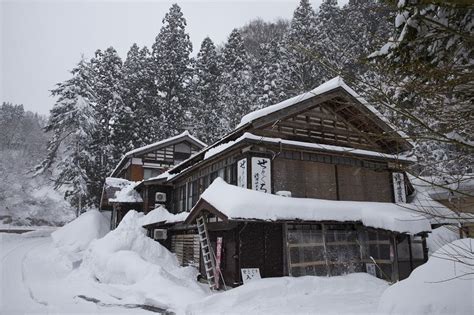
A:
x: 26, y: 200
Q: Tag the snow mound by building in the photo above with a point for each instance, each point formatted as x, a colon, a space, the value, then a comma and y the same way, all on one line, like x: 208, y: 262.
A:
x: 441, y: 236
x: 129, y: 261
x: 161, y: 214
x: 72, y: 239
x: 302, y: 295
x: 444, y: 285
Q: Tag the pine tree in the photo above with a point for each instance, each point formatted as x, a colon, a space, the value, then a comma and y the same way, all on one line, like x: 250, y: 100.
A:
x: 172, y: 70
x: 139, y: 91
x: 268, y: 76
x: 301, y: 65
x: 329, y: 43
x: 73, y: 125
x: 236, y: 91
x: 113, y: 116
x: 206, y: 107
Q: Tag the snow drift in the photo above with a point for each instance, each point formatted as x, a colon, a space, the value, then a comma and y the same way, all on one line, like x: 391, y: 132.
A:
x: 72, y: 239
x: 444, y: 285
x: 302, y: 295
x: 130, y: 261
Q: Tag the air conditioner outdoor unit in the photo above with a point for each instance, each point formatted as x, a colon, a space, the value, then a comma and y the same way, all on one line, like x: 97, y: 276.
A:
x: 159, y: 234
x: 160, y: 197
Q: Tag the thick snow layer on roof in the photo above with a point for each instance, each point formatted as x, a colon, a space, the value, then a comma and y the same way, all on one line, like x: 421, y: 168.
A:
x: 309, y: 145
x: 161, y: 214
x: 444, y: 285
x: 127, y: 193
x: 327, y: 86
x: 240, y: 203
x: 116, y: 182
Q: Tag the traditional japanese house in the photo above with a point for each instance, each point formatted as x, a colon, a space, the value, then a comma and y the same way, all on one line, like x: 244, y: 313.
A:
x: 320, y: 189
x: 140, y: 164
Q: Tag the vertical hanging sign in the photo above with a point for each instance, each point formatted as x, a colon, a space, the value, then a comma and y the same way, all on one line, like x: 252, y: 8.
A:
x: 242, y: 173
x: 399, y: 187
x: 261, y: 174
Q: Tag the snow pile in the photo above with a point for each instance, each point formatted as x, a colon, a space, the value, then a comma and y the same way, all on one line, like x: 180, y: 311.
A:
x: 303, y: 295
x: 72, y: 239
x: 444, y: 285
x: 240, y: 203
x: 127, y: 194
x: 140, y: 268
x: 441, y: 236
x: 161, y: 214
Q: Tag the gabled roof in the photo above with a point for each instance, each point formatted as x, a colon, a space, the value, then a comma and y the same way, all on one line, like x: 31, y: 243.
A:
x: 230, y: 202
x: 326, y: 91
x: 156, y: 145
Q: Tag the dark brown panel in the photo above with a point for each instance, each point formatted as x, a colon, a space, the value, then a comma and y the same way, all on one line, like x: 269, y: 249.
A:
x: 361, y: 184
x: 305, y: 178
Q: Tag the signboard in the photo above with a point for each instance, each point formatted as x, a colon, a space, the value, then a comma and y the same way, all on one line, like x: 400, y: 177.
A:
x: 242, y: 173
x: 370, y: 267
x: 399, y: 187
x: 261, y: 174
x: 250, y: 274
x: 218, y: 261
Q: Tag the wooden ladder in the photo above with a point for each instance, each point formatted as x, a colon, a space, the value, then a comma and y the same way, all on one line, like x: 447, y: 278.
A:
x: 207, y: 254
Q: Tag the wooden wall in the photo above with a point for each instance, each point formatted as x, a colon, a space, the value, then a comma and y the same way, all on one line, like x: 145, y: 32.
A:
x: 309, y: 179
x: 305, y: 179
x: 362, y: 184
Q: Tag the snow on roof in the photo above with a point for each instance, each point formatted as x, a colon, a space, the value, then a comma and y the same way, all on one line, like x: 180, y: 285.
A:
x: 183, y: 134
x: 127, y: 192
x: 325, y: 147
x: 240, y: 203
x: 327, y: 86
x: 158, y: 143
x: 160, y: 214
x: 424, y: 200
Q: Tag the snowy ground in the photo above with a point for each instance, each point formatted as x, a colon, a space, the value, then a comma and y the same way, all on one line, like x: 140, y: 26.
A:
x: 82, y: 269
x: 35, y: 280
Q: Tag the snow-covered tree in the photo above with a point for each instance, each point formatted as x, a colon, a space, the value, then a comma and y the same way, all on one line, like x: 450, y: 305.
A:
x: 172, y: 70
x: 268, y: 82
x: 427, y: 67
x: 301, y: 65
x: 73, y: 125
x: 236, y: 90
x: 112, y: 138
x: 206, y: 106
x: 139, y: 91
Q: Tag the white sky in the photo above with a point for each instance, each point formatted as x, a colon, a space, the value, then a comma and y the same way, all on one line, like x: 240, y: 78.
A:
x: 42, y: 40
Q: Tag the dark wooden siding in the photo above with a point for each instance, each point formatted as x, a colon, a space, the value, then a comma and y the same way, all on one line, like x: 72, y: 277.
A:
x: 362, y: 184
x: 305, y: 178
x: 261, y: 246
x: 310, y: 179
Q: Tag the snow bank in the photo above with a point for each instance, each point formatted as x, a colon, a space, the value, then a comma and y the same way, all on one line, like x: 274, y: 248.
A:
x: 303, y: 295
x: 444, y: 285
x: 73, y: 238
x: 161, y: 214
x: 142, y: 269
x: 441, y: 236
x: 240, y: 203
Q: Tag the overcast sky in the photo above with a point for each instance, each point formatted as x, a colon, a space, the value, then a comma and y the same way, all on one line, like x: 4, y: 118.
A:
x: 42, y: 40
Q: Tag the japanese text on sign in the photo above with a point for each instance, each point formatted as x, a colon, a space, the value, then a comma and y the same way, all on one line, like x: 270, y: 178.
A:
x: 261, y: 174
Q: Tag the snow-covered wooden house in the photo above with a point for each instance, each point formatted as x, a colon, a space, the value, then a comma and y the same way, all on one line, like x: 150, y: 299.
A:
x: 314, y: 185
x: 119, y: 194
